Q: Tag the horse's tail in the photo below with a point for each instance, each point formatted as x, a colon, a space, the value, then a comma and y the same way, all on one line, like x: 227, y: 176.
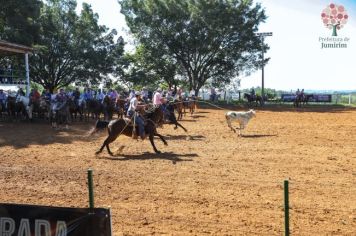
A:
x: 99, y: 125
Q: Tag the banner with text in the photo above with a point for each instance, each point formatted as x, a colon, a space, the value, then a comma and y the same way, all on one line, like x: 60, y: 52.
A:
x: 30, y: 220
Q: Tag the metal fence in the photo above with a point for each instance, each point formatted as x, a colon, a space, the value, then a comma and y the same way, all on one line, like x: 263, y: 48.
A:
x: 225, y: 96
x: 11, y: 76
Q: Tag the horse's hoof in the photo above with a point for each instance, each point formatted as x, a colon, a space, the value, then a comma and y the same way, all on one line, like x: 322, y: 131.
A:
x: 98, y: 152
x: 166, y: 144
x: 111, y: 154
x: 158, y: 152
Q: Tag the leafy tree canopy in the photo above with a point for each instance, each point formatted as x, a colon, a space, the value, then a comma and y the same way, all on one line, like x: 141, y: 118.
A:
x: 73, y: 48
x: 210, y: 39
x: 18, y: 21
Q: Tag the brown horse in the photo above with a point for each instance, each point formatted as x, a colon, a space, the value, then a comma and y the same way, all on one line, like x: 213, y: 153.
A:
x: 170, y: 117
x: 179, y: 106
x: 60, y: 114
x: 192, y: 104
x: 125, y: 127
x: 95, y: 108
x: 11, y: 107
x: 108, y: 108
x: 75, y: 109
x: 257, y: 99
x: 120, y: 107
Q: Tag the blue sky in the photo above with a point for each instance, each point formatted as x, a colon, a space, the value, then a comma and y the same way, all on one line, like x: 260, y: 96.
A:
x: 297, y: 60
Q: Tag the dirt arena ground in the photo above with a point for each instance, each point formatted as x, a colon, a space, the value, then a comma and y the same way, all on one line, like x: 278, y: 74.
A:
x: 216, y: 183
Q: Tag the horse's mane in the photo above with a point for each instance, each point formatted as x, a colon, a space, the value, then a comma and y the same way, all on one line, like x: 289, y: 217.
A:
x: 154, y: 112
x: 151, y: 108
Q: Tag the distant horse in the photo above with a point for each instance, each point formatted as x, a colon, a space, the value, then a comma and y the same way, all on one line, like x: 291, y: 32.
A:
x: 256, y: 99
x: 60, y: 114
x: 302, y: 99
x: 45, y: 107
x: 11, y: 106
x: 23, y: 106
x: 108, y: 108
x: 170, y: 117
x: 120, y: 107
x: 179, y: 106
x: 192, y: 104
x: 94, y: 108
x: 125, y: 127
x: 75, y: 109
x: 40, y: 106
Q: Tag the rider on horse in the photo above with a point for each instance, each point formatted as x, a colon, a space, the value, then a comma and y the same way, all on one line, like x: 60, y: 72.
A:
x: 302, y: 94
x: 253, y: 94
x: 34, y: 96
x: 133, y: 112
x: 297, y: 94
x: 47, y: 95
x: 20, y: 92
x: 60, y: 99
x: 76, y: 96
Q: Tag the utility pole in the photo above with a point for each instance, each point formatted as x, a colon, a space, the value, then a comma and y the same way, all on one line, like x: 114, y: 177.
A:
x: 263, y: 35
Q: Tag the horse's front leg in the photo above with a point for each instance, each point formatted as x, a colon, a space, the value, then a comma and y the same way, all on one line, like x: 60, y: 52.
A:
x: 111, y: 138
x: 153, y: 144
x: 162, y: 138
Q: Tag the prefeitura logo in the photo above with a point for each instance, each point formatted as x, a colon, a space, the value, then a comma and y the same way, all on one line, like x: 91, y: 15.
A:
x: 334, y: 17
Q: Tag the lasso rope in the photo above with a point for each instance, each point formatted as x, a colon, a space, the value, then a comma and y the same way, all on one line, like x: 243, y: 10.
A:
x: 200, y: 101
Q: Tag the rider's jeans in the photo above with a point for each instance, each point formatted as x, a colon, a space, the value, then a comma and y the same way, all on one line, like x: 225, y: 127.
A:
x: 139, y: 121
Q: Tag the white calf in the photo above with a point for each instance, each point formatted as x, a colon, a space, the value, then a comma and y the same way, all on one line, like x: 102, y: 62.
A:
x: 241, y: 117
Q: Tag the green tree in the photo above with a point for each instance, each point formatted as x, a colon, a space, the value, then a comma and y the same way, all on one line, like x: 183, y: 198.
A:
x: 18, y: 21
x: 210, y: 39
x: 151, y: 68
x: 73, y: 48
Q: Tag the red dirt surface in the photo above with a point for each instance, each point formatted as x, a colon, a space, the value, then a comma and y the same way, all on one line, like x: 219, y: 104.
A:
x: 211, y: 183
